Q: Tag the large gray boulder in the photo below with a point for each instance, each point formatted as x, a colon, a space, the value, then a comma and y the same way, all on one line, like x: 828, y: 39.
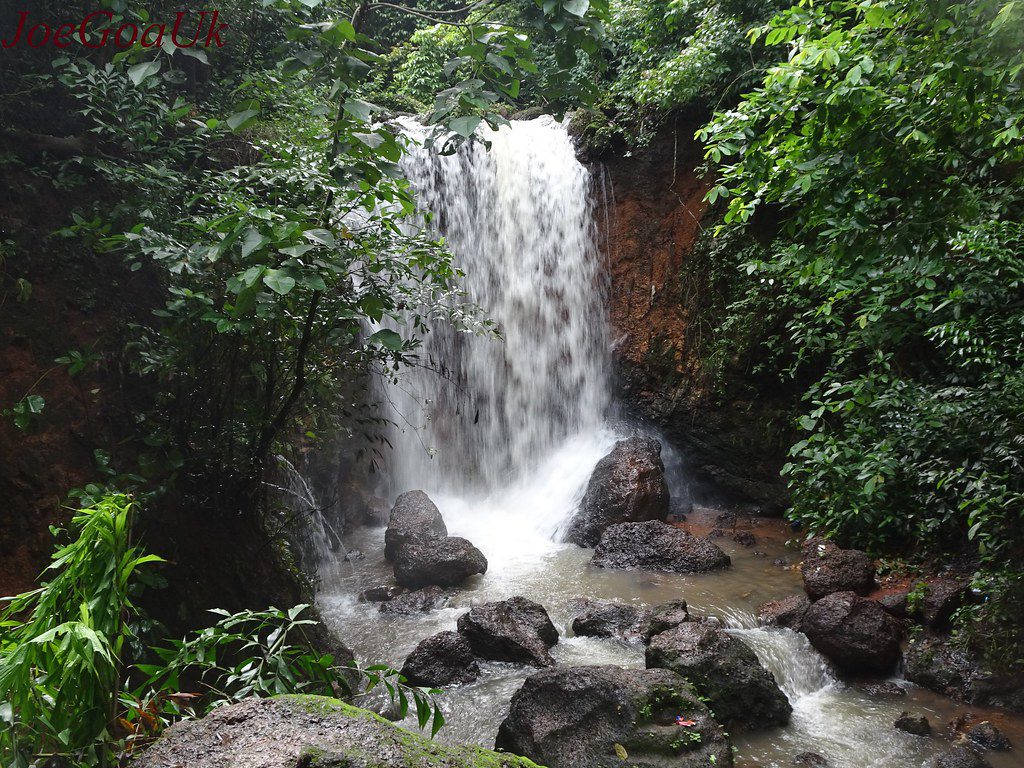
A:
x: 856, y: 634
x: 610, y: 618
x: 826, y: 569
x: 961, y: 756
x: 724, y: 671
x: 656, y: 546
x: 413, y: 517
x: 665, y: 617
x: 627, y: 485
x: 442, y: 659
x: 445, y: 562
x: 411, y: 603
x: 516, y: 630
x: 607, y: 717
x: 936, y: 663
x: 306, y: 732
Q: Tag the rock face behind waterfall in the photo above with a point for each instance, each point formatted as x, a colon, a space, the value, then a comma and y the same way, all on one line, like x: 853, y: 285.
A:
x: 516, y: 630
x: 857, y: 634
x: 414, y: 517
x: 628, y: 485
x: 306, y: 731
x: 423, y: 554
x: 607, y: 717
x: 725, y: 671
x: 657, y: 546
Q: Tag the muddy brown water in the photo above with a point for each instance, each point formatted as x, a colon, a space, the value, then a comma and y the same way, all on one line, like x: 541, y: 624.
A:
x: 834, y: 718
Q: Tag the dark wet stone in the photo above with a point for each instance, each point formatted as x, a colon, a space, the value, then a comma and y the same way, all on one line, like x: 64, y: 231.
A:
x: 413, y: 517
x: 827, y: 569
x: 627, y: 485
x: 788, y: 612
x: 656, y: 546
x: 857, y: 634
x: 725, y: 671
x: 610, y: 618
x: 516, y: 630
x: 919, y: 726
x: 441, y: 660
x: 411, y: 603
x: 579, y: 717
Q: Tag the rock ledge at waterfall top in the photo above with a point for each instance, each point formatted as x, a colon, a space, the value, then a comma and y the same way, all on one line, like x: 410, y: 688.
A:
x: 627, y: 485
x: 657, y: 546
x: 724, y: 671
x: 306, y: 732
x: 581, y: 717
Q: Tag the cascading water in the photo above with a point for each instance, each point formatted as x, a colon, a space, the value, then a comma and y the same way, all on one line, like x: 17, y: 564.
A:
x: 518, y: 219
x: 503, y: 435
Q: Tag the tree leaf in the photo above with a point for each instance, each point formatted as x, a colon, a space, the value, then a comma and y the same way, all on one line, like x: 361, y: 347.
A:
x: 139, y: 72
x: 278, y: 281
x: 387, y: 339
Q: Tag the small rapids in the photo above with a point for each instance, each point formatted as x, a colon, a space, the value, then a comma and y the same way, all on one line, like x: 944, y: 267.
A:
x: 503, y: 436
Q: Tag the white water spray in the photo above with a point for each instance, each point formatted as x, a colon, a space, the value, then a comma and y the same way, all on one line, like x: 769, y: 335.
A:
x: 513, y: 424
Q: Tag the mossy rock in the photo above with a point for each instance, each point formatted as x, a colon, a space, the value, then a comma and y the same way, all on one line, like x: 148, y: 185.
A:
x: 308, y: 732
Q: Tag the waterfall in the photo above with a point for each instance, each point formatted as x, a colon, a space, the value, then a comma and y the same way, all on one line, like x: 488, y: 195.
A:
x: 482, y: 416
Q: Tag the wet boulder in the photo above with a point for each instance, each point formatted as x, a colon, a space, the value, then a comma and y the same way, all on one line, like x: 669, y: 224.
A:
x: 856, y: 634
x: 666, y: 616
x: 961, y: 756
x: 919, y: 726
x: 441, y: 660
x: 610, y: 618
x: 411, y: 603
x: 627, y: 485
x: 827, y: 569
x: 608, y: 717
x: 414, y: 517
x: 656, y: 546
x: 936, y: 663
x: 446, y: 562
x: 724, y: 671
x: 942, y: 597
x: 306, y: 732
x: 787, y: 612
x: 516, y: 630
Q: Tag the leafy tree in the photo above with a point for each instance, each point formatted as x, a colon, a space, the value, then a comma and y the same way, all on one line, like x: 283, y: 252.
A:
x: 886, y: 148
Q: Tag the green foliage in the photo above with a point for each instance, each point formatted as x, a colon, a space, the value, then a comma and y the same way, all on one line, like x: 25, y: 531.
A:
x: 61, y: 648
x: 266, y: 653
x: 885, y: 145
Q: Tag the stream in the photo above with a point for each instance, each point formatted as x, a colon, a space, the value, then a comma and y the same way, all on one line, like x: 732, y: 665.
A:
x: 503, y: 436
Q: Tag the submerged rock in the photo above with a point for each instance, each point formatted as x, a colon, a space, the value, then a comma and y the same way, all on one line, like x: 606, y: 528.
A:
x: 445, y: 562
x: 306, y: 732
x: 610, y: 618
x: 857, y: 634
x: 919, y: 726
x: 381, y: 593
x: 961, y: 756
x: 788, y: 612
x: 827, y: 569
x: 607, y: 717
x: 666, y: 616
x: 517, y: 630
x: 809, y: 760
x: 724, y: 671
x: 413, y: 517
x: 411, y: 603
x: 627, y: 485
x: 442, y: 659
x: 987, y: 736
x: 657, y: 546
